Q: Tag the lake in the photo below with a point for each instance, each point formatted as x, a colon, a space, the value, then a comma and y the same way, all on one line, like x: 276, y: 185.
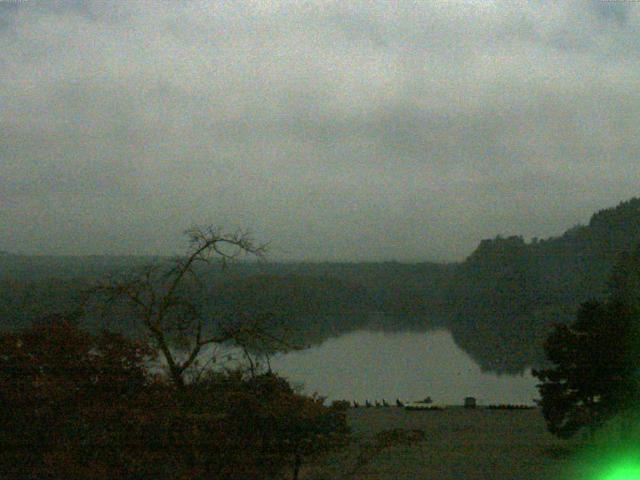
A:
x: 377, y: 365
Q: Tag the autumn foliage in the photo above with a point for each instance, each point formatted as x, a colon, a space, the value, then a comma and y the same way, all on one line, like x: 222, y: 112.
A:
x: 78, y: 405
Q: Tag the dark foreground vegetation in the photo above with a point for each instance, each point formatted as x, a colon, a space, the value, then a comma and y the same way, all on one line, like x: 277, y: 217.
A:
x: 79, y: 406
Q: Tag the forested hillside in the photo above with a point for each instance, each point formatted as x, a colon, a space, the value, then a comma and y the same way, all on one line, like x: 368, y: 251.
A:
x: 507, y: 292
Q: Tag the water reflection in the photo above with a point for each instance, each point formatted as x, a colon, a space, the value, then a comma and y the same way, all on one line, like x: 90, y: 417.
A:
x: 407, y: 365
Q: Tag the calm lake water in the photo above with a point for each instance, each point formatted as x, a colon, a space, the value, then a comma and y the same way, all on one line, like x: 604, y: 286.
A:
x: 409, y: 365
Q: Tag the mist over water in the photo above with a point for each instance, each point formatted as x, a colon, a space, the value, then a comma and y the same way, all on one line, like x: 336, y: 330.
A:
x: 408, y: 365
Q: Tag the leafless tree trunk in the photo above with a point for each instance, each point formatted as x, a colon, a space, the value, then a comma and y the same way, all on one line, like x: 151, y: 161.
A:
x: 161, y: 301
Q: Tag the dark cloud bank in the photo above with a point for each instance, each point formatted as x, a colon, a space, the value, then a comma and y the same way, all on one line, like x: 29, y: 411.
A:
x: 336, y: 130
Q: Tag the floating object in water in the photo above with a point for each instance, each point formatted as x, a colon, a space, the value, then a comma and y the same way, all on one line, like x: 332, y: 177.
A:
x: 426, y: 404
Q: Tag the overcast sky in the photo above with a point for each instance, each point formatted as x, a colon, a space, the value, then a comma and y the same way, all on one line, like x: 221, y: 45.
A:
x: 335, y: 130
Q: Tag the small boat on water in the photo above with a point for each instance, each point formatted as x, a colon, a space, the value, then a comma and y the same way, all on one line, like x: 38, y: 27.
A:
x: 426, y: 404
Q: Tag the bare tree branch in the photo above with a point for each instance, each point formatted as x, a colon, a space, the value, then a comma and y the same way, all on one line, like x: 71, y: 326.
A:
x: 160, y: 300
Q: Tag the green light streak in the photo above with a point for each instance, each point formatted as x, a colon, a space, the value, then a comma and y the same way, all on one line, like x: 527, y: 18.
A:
x: 624, y: 471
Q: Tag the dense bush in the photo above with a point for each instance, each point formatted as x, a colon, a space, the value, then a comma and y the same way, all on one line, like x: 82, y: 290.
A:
x: 75, y: 405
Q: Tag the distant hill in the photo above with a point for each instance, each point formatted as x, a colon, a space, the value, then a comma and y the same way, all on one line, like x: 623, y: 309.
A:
x: 506, y: 293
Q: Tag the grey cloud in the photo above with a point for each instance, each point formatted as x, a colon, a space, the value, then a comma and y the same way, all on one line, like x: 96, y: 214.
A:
x: 350, y: 130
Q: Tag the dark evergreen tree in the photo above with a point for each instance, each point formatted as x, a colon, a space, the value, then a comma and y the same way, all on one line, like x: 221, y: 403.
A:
x: 595, y: 372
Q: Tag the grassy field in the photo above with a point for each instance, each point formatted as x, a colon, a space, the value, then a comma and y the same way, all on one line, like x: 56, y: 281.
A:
x: 460, y: 444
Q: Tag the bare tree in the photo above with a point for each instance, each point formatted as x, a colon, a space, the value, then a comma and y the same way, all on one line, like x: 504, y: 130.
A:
x: 167, y: 301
